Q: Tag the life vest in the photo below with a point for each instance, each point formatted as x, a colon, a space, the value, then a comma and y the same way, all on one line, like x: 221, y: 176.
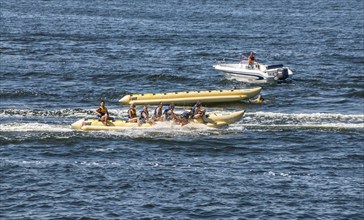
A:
x: 165, y: 112
x: 103, y: 109
x: 193, y: 110
x: 146, y: 114
x: 132, y: 113
x: 196, y: 110
x: 158, y: 112
x: 186, y: 114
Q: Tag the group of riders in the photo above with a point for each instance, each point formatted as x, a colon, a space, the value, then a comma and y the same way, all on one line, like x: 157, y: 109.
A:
x: 161, y: 113
x: 166, y: 114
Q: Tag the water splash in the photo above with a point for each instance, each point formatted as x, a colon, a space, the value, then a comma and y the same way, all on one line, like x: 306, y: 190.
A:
x: 60, y: 120
x: 33, y: 127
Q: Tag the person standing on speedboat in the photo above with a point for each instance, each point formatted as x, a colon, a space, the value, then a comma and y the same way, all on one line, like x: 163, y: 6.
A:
x: 251, y: 60
x: 103, y: 113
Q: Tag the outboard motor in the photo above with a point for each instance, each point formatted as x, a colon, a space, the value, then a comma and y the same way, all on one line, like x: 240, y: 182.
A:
x: 282, y: 74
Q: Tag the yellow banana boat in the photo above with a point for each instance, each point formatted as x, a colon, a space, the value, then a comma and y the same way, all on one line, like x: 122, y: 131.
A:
x: 214, y: 120
x: 184, y: 98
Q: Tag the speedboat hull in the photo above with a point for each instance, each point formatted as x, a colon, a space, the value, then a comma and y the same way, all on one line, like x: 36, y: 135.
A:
x: 214, y: 120
x: 191, y: 97
x: 257, y: 73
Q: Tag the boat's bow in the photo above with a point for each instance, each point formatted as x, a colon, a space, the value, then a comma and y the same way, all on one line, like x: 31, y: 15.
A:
x: 125, y: 99
x: 78, y: 124
x: 221, y: 119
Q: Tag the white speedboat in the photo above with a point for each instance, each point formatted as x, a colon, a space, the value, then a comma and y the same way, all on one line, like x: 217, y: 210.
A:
x: 256, y: 73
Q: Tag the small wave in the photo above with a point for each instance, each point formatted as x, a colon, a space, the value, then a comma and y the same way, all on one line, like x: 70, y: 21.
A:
x: 33, y: 127
x: 323, y: 121
x: 307, y: 116
x: 25, y: 163
x: 165, y: 130
x: 271, y: 173
x: 257, y: 120
x: 45, y: 113
x: 355, y: 94
x: 22, y: 93
x: 323, y: 127
x: 160, y: 130
x: 48, y: 163
x: 167, y: 77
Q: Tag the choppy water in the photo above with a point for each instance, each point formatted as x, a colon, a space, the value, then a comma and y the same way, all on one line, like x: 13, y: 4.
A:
x: 300, y: 155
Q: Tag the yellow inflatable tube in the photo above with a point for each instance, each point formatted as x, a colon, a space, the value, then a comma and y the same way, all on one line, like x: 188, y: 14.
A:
x: 183, y: 98
x: 214, y: 120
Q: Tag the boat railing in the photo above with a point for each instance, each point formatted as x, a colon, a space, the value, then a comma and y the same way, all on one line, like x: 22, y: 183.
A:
x: 224, y: 60
x: 230, y: 60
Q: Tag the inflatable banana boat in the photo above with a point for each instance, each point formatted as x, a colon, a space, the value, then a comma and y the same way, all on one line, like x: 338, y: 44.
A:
x: 184, y: 98
x: 214, y: 120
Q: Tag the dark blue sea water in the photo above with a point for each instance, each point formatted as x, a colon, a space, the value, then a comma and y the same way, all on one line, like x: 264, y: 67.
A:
x: 300, y: 155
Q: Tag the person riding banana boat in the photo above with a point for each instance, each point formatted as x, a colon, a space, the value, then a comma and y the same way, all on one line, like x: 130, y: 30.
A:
x: 103, y: 113
x: 198, y: 112
x: 132, y: 115
x: 194, y: 113
x: 183, y: 118
x: 144, y: 116
x: 158, y: 112
x: 168, y: 113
